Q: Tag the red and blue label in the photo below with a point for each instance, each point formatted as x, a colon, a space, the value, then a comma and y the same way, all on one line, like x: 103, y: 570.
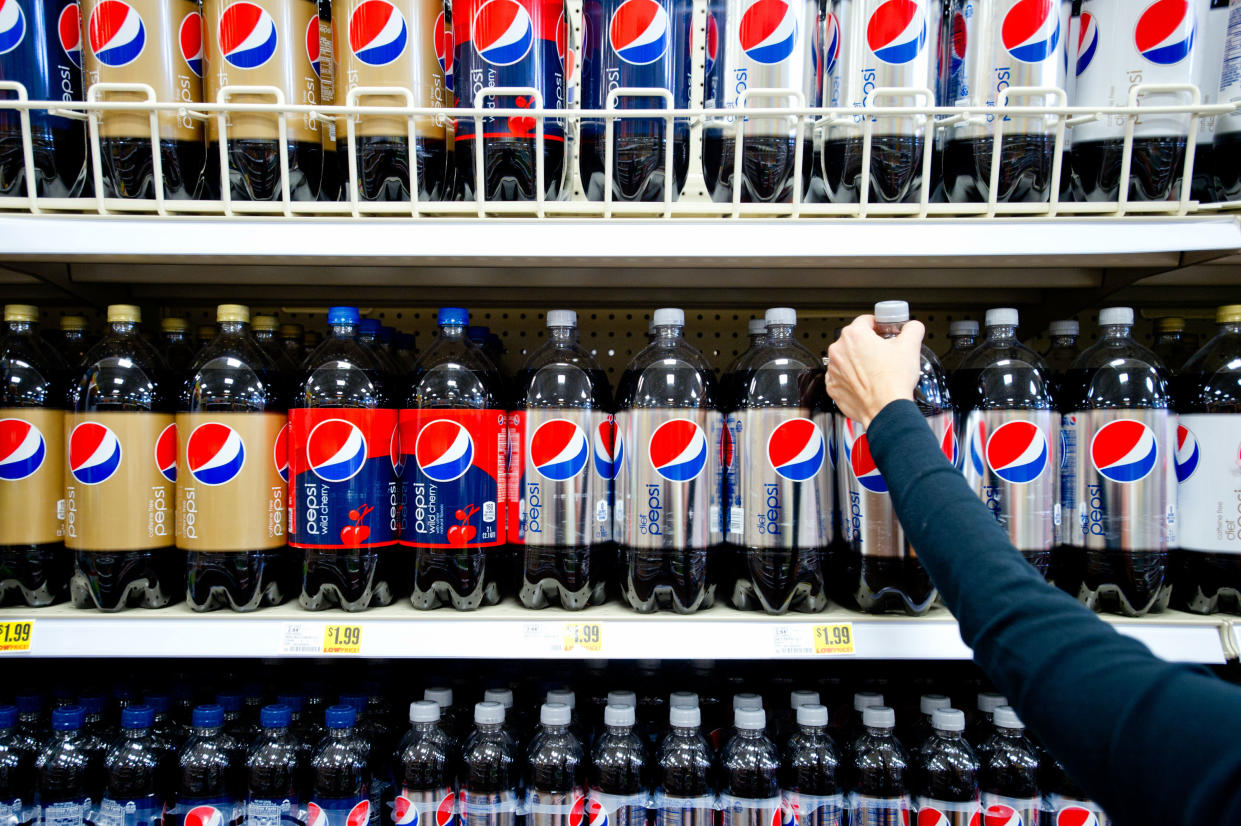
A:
x: 190, y: 41
x: 377, y: 32
x: 1087, y: 41
x: 12, y: 25
x: 444, y: 48
x: 22, y: 449
x: 796, y: 450
x: 117, y: 34
x: 69, y: 31
x: 678, y: 450
x: 1165, y: 32
x: 768, y: 32
x: 1031, y: 30
x: 1124, y: 451
x: 206, y: 814
x: 344, y: 491
x: 407, y: 811
x: 94, y: 453
x: 1017, y: 452
x: 1187, y: 453
x: 247, y: 35
x: 338, y: 813
x: 897, y: 30
x: 635, y: 44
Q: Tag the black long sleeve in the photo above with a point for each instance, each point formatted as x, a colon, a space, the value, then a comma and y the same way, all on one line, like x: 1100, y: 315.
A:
x: 1151, y: 741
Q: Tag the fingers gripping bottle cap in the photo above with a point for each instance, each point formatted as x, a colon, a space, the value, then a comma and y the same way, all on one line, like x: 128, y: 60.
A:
x: 757, y: 326
x: 865, y: 699
x: 783, y: 316
x: 439, y: 695
x: 424, y: 711
x: 1228, y: 314
x: 969, y: 327
x: 340, y: 716
x: 750, y: 701
x: 503, y: 696
x: 1116, y: 315
x: 948, y: 719
x: 453, y: 317
x: 685, y: 717
x: 211, y: 716
x: 750, y: 719
x: 930, y: 703
x: 68, y: 718
x: 879, y: 717
x: 1001, y: 317
x: 622, y: 698
x: 683, y: 699
x: 21, y: 312
x: 232, y: 312
x: 276, y: 716
x: 891, y: 312
x: 488, y: 714
x: 136, y: 717
x: 620, y: 714
x: 561, y: 318
x: 797, y: 699
x: 668, y: 316
x: 123, y: 313
x: 555, y: 714
x: 343, y: 315
x: 1065, y: 327
x: 812, y: 714
x: 988, y: 702
x: 1006, y: 717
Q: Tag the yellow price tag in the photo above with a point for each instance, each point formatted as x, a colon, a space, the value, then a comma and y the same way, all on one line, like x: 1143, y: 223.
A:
x: 15, y: 635
x: 588, y: 635
x: 342, y: 639
x: 834, y: 639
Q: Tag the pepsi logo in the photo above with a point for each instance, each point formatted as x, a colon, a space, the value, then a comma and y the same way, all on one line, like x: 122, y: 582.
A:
x: 857, y: 454
x: 1018, y: 452
x: 502, y: 32
x: 563, y: 52
x: 444, y: 48
x: 404, y: 811
x: 94, y: 453
x: 336, y: 450
x: 930, y: 816
x: 1076, y: 816
x: 1001, y: 815
x: 609, y: 449
x: 1186, y: 453
x: 831, y: 43
x: 359, y: 815
x: 768, y: 31
x: 315, y: 816
x: 1031, y: 30
x: 678, y: 450
x: 976, y: 448
x: 444, y: 450
x: 166, y: 453
x: 728, y: 447
x: 69, y: 29
x: 1087, y: 40
x: 896, y: 31
x: 587, y: 813
x: 796, y: 450
x: 396, y: 454
x: 960, y: 43
x: 1124, y: 451
x: 639, y: 31
x: 204, y: 816
x: 713, y: 43
x: 948, y: 442
x: 12, y: 25
x: 1165, y: 32
x: 313, y: 45
x: 559, y: 450
x: 787, y: 813
x: 247, y: 35
x: 215, y: 453
x: 116, y: 32
x: 377, y: 32
x: 280, y: 453
x: 190, y: 38
x: 22, y: 449
x: 446, y: 811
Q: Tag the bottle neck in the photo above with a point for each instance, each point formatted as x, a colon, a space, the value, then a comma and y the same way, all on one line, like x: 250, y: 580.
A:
x: 123, y: 328
x: 135, y: 733
x: 964, y: 342
x: 619, y: 731
x: 1002, y: 333
x: 175, y: 337
x: 667, y: 333
x: 276, y: 732
x: 685, y: 731
x: 424, y: 728
x: 489, y: 728
x: 750, y: 733
x: 889, y: 329
x: 1063, y: 342
x: 265, y: 335
x: 1114, y: 331
x: 562, y: 335
x: 1232, y: 328
x: 344, y: 330
x: 233, y: 328
x: 21, y: 328
x: 779, y: 332
x: 340, y: 733
x: 948, y: 735
x: 555, y: 730
x: 1171, y: 335
x: 757, y: 338
x: 875, y: 731
x: 452, y: 331
x: 212, y: 731
x: 74, y: 335
x: 813, y: 731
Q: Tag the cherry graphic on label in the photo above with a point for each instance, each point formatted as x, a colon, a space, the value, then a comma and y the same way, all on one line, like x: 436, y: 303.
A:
x: 461, y: 534
x: 354, y: 535
x: 522, y: 127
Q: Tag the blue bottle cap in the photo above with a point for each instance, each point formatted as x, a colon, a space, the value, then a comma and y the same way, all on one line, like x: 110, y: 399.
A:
x: 340, y: 716
x: 293, y: 701
x: 453, y: 316
x: 370, y: 326
x: 342, y: 315
x: 386, y: 333
x: 277, y: 716
x: 92, y: 703
x: 29, y: 703
x: 68, y: 718
x: 159, y: 703
x: 355, y: 701
x: 208, y: 717
x: 8, y: 716
x: 137, y: 717
x: 229, y: 701
x: 476, y: 333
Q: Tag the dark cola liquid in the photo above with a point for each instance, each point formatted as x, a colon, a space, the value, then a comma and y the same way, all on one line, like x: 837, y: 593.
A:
x: 1226, y: 166
x: 639, y: 159
x: 1203, y: 186
x: 767, y: 165
x: 509, y: 171
x: 1025, y: 169
x: 383, y: 168
x: 254, y: 170
x: 128, y: 170
x: 59, y: 161
x: 1154, y: 175
x: 895, y: 169
x: 947, y: 770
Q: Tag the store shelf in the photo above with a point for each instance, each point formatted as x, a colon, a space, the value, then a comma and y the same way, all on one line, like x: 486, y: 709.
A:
x: 508, y: 631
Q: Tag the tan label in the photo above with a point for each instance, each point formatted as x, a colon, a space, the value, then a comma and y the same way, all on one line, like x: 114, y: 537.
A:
x: 389, y: 43
x: 327, y: 78
x: 32, y: 475
x: 120, y: 482
x: 156, y: 42
x: 263, y: 43
x: 230, y: 495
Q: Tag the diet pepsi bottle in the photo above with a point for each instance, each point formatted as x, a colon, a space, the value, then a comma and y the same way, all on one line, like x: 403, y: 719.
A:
x: 618, y: 769
x: 339, y: 794
x: 490, y: 771
x: 1226, y: 159
x: 425, y: 770
x: 882, y: 571
x: 17, y: 799
x: 208, y: 788
x: 132, y: 768
x: 783, y: 474
x: 344, y: 458
x: 1063, y: 801
x: 684, y: 793
x: 272, y: 771
x: 1213, y: 29
x: 1123, y: 45
x: 749, y: 773
x: 1007, y: 422
x: 555, y: 770
x: 34, y: 565
x: 63, y: 771
x: 880, y: 768
x: 923, y: 727
x: 1009, y: 775
x: 948, y: 773
x: 810, y: 786
x: 981, y: 724
x: 1206, y: 571
x: 667, y: 484
x: 453, y: 444
x: 1064, y: 349
x: 565, y: 431
x: 1119, y: 444
x: 963, y: 336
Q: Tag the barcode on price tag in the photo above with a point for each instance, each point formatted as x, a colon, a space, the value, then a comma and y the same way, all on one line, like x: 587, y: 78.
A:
x: 585, y: 635
x: 15, y: 636
x: 301, y: 638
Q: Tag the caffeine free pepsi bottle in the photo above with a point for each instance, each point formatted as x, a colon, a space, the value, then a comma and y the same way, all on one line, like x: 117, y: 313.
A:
x: 34, y: 565
x: 265, y: 328
x: 63, y: 771
x: 208, y: 788
x: 1120, y: 448
x: 341, y: 779
x: 684, y: 791
x: 490, y: 771
x: 425, y: 770
x: 453, y: 442
x: 75, y: 339
x: 555, y: 770
x: 1010, y: 771
x: 122, y: 446
x: 947, y: 774
x: 344, y: 457
x: 565, y: 437
x: 272, y: 771
x: 175, y: 343
x: 810, y: 787
x: 880, y: 773
x: 132, y: 770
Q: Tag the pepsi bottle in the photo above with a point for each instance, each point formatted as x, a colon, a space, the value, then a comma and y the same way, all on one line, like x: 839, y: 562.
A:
x: 882, y: 573
x: 948, y: 773
x: 668, y: 481
x: 555, y: 770
x: 963, y: 336
x: 453, y: 442
x: 265, y: 328
x: 63, y: 771
x: 618, y: 769
x: 1172, y: 344
x: 565, y: 446
x: 1119, y: 447
x: 1063, y: 800
x: 272, y: 771
x: 208, y: 788
x: 17, y: 803
x: 75, y: 339
x: 783, y: 474
x: 1213, y: 29
x: 340, y: 788
x: 34, y: 565
x: 490, y: 771
x: 728, y: 531
x: 879, y: 771
x: 684, y: 791
x: 132, y: 768
x: 1064, y: 349
x: 1225, y: 161
x: 122, y: 445
x: 810, y: 787
x: 450, y: 720
x: 923, y: 727
x: 344, y: 453
x: 425, y: 770
x: 292, y: 338
x: 1009, y: 775
x: 175, y: 344
x: 749, y: 773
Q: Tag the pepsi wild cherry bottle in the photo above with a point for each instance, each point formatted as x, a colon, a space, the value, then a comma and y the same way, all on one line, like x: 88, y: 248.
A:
x: 344, y: 453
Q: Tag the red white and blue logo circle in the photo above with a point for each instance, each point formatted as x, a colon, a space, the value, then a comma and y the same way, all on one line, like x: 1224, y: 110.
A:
x: 639, y: 31
x: 960, y: 43
x: 12, y: 25
x: 831, y: 43
x: 395, y: 453
x: 1186, y: 453
x: 1076, y: 816
x: 116, y: 32
x: 377, y: 32
x: 444, y: 48
x: 69, y: 30
x: 1031, y: 30
x: 768, y: 31
x: 205, y: 816
x: 948, y: 442
x: 313, y: 45
x: 280, y: 453
x: 588, y: 813
x: 404, y: 811
x: 713, y: 43
x: 1001, y: 815
x: 336, y: 450
x: 359, y: 815
x: 94, y: 453
x: 930, y: 816
x: 1087, y: 40
x: 559, y: 450
x: 166, y: 453
x: 678, y: 450
x: 896, y: 31
x: 247, y: 35
x: 22, y: 449
x: 503, y: 32
x: 796, y: 450
x: 444, y: 450
x: 446, y: 811
x: 857, y: 454
x: 1165, y: 32
x: 609, y: 449
x: 190, y: 38
x: 1124, y: 451
x: 215, y: 453
x: 1018, y: 452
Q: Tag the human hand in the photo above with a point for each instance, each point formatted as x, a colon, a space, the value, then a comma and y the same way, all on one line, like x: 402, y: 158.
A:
x: 866, y: 372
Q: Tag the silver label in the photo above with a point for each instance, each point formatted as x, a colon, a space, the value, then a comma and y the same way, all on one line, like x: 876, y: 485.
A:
x: 1010, y: 462
x: 564, y: 495
x: 784, y: 475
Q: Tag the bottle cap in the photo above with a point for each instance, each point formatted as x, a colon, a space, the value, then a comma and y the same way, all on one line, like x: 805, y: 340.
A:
x: 1065, y: 327
x: 8, y: 716
x: 812, y: 714
x: 741, y: 701
x: 355, y: 701
x: 232, y: 312
x: 124, y: 312
x: 311, y: 339
x: 1006, y: 717
x: 340, y: 716
x: 265, y: 322
x: 73, y: 322
x: 563, y: 696
x: 555, y: 714
x: 618, y: 714
x: 928, y: 703
x: 1116, y: 315
x: 891, y: 312
x: 206, y: 331
x: 293, y: 331
x: 561, y: 318
x: 159, y: 703
x: 295, y: 702
x: 668, y: 316
x: 750, y: 719
x: 211, y: 716
x: 622, y: 698
x: 785, y: 316
x: 685, y: 716
x: 488, y: 714
x: 948, y: 719
x: 424, y: 711
x: 453, y: 317
x: 878, y: 717
x: 386, y: 333
x: 797, y: 699
x: 135, y: 716
x: 1170, y: 324
x: 1001, y: 317
x: 683, y: 699
x: 68, y: 718
x: 276, y: 716
x: 968, y: 327
x: 866, y: 699
x: 342, y: 315
x: 228, y: 701
x: 503, y: 696
x: 439, y: 695
x: 1228, y: 314
x: 29, y: 703
x: 370, y: 326
x: 989, y: 701
x: 90, y: 703
x: 757, y: 326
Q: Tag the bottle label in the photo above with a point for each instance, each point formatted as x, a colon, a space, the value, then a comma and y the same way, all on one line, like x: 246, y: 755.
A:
x: 16, y: 813
x: 813, y: 810
x: 1011, y: 811
x: 1230, y: 75
x: 424, y: 807
x: 513, y: 462
x: 785, y: 479
x: 488, y: 809
x: 949, y: 813
x: 1067, y: 525
x: 66, y: 814
x: 273, y: 813
x: 216, y: 811
x: 346, y: 812
x: 119, y: 491
x: 1208, y: 468
x: 566, y: 472
x: 727, y: 508
x: 617, y: 809
x: 1066, y: 811
x: 671, y: 810
x: 455, y: 486
x: 745, y: 811
x: 32, y: 475
x: 145, y: 812
x: 544, y: 808
x: 879, y: 811
x: 231, y: 495
x: 1010, y: 463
